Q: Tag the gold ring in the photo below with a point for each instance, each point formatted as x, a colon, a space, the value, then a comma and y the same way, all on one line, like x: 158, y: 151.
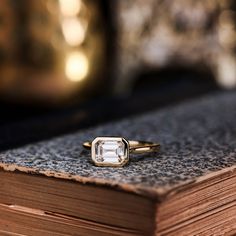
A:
x: 114, y: 151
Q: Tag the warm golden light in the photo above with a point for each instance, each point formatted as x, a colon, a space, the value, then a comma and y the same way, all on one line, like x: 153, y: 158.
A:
x: 76, y: 66
x: 226, y: 30
x: 70, y: 7
x: 227, y: 71
x: 73, y: 31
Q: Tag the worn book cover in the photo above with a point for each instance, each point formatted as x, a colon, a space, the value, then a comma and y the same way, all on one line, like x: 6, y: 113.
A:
x: 188, y: 188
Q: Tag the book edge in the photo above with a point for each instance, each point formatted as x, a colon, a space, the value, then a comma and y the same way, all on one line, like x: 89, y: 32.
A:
x: 157, y: 194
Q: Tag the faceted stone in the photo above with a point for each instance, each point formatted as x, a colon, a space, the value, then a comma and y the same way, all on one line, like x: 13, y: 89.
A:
x: 109, y: 151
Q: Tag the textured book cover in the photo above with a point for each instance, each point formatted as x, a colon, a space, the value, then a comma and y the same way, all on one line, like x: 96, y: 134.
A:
x: 198, y: 142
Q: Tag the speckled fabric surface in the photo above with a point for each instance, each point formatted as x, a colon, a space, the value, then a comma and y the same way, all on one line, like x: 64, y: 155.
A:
x: 197, y: 137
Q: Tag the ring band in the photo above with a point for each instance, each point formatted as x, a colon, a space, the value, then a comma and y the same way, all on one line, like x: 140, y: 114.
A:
x: 114, y: 151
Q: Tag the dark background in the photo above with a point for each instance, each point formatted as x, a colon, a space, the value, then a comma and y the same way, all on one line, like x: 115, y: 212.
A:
x: 25, y: 122
x: 21, y: 124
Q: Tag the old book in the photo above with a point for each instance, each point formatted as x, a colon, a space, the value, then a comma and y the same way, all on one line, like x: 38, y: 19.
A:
x: 189, y: 188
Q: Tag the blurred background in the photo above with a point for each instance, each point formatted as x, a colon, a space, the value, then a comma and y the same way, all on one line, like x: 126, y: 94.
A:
x: 67, y: 65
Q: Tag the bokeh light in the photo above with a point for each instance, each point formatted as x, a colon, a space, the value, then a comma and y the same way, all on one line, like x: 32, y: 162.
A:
x: 77, y: 66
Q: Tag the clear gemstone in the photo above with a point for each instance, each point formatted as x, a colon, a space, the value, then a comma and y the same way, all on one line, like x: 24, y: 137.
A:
x: 110, y: 151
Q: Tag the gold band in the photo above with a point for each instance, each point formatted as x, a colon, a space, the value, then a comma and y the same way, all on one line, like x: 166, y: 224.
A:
x: 137, y: 147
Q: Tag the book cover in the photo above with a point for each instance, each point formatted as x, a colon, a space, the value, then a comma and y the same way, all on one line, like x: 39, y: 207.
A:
x: 198, y: 144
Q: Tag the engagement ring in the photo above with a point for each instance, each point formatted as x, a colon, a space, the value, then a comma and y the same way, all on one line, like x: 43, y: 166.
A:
x: 114, y: 151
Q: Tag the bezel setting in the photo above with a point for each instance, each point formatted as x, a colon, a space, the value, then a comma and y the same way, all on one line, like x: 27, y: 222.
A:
x: 110, y: 151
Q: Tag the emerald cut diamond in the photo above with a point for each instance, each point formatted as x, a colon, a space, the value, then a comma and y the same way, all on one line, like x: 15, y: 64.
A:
x: 110, y: 151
